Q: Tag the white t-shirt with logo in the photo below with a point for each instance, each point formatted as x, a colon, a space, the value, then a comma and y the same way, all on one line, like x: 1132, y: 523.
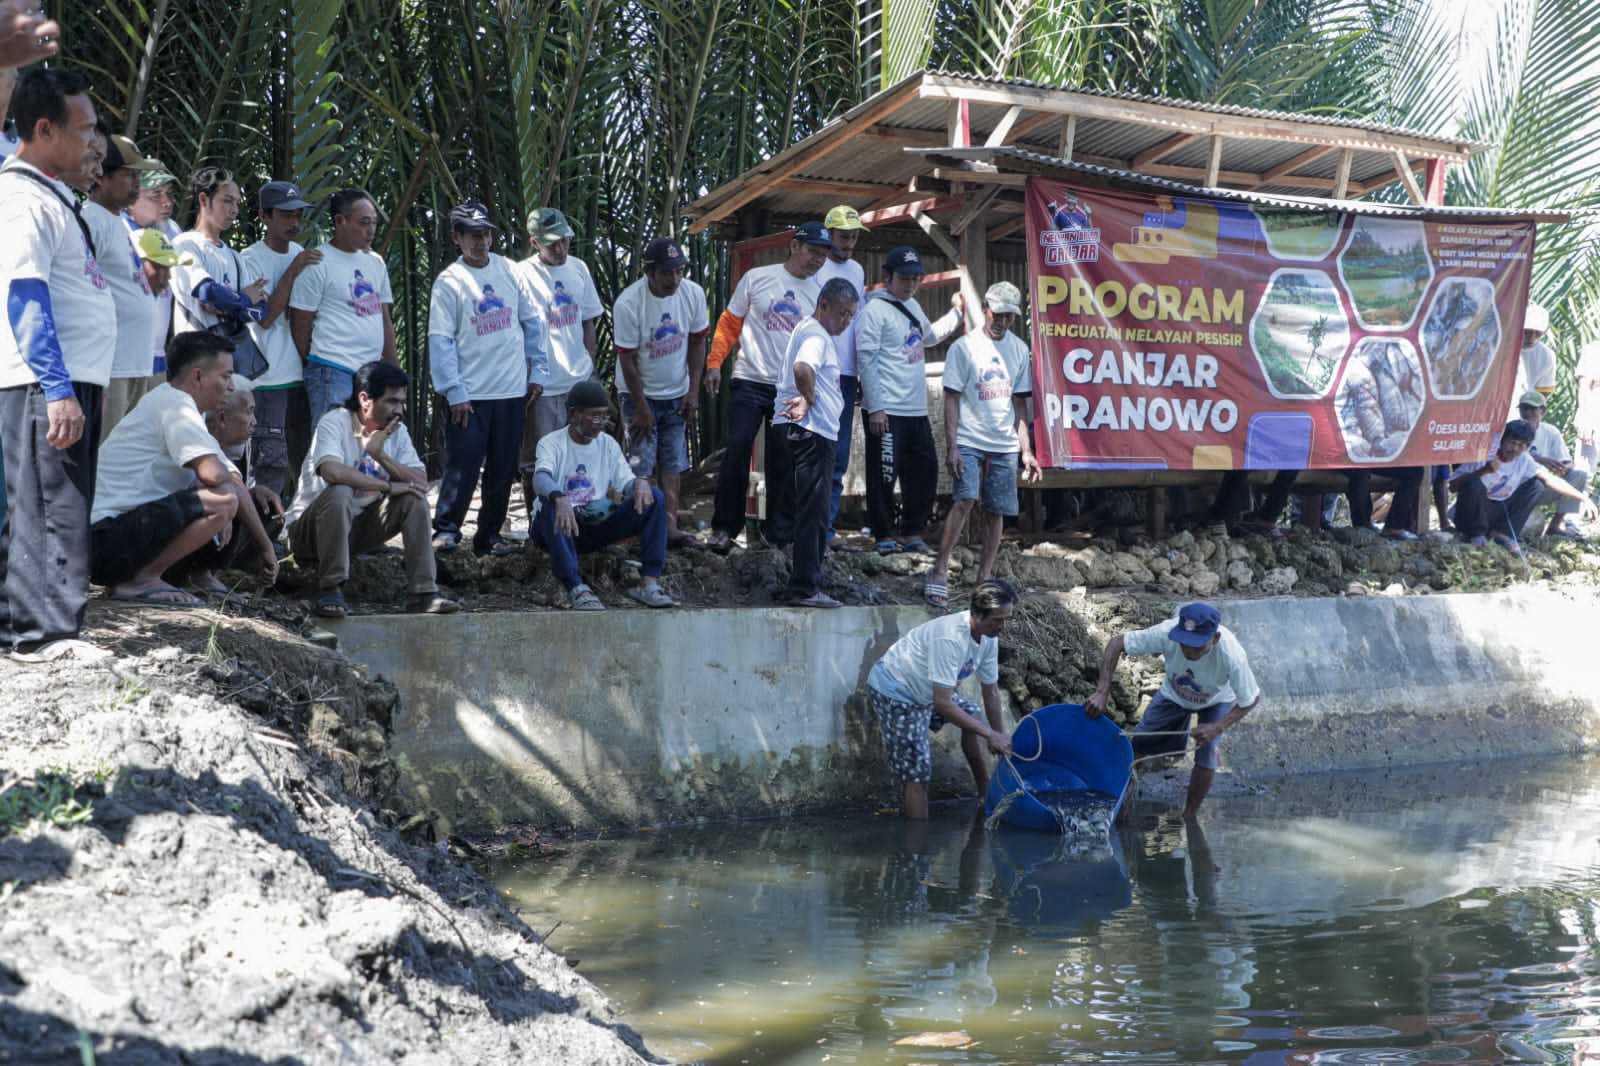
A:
x: 42, y: 242
x: 147, y: 455
x: 218, y: 262
x: 812, y: 345
x: 1509, y: 478
x: 482, y: 309
x: 276, y: 342
x: 1221, y: 675
x: 566, y: 297
x: 658, y: 328
x: 988, y: 374
x: 585, y: 472
x: 336, y: 439
x: 941, y: 652
x: 163, y: 320
x: 1537, y: 369
x: 136, y: 304
x: 891, y: 356
x: 772, y: 303
x: 348, y: 291
x: 1547, y: 444
x: 851, y: 271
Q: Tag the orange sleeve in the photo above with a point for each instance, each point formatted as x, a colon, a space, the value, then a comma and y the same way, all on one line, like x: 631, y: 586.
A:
x: 725, y: 340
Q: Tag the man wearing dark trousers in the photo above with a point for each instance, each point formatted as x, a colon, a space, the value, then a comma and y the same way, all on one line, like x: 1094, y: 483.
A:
x: 57, y: 346
x: 808, y: 409
x: 1494, y: 498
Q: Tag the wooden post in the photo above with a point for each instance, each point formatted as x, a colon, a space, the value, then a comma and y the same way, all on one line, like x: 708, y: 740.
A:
x: 1069, y: 133
x: 1433, y: 192
x: 975, y: 266
x: 1341, y: 179
x: 1157, y: 498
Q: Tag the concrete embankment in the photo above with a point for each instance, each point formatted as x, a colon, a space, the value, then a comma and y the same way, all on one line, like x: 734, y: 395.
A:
x: 636, y: 718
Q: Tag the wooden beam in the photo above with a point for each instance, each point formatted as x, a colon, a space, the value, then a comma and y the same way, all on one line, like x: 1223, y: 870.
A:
x: 797, y: 157
x: 1310, y: 155
x: 1002, y: 129
x: 959, y: 124
x: 981, y: 177
x: 1214, y: 164
x: 1402, y: 165
x: 978, y: 203
x: 1341, y: 177
x: 905, y: 138
x: 1165, y: 148
x: 884, y: 216
x: 1031, y: 125
x: 936, y: 235
x: 1433, y: 181
x: 1006, y: 229
x: 974, y: 264
x: 1069, y: 134
x: 827, y: 186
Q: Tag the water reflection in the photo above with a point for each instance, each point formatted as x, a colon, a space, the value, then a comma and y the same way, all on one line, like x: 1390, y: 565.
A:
x: 1446, y: 916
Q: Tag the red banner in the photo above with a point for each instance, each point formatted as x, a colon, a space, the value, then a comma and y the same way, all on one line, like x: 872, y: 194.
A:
x: 1184, y: 333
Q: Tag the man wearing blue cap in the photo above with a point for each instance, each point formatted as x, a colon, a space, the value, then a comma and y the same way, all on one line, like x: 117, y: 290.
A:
x: 1208, y: 675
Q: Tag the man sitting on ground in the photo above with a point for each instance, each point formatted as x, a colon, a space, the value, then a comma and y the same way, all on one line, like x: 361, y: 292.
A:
x: 576, y: 471
x: 912, y: 691
x: 232, y: 425
x: 1207, y: 675
x: 166, y: 501
x: 1494, y: 498
x: 1550, y: 452
x: 362, y: 483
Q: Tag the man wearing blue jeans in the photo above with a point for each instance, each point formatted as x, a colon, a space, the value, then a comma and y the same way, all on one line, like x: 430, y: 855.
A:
x: 1207, y: 675
x: 577, y: 471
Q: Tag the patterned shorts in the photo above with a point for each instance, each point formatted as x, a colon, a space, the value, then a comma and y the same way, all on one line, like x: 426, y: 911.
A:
x: 905, y: 728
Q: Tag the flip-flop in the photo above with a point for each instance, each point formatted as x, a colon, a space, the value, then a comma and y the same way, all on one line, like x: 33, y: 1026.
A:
x: 916, y: 545
x: 888, y: 547
x: 160, y: 597
x: 936, y: 594
x: 57, y: 650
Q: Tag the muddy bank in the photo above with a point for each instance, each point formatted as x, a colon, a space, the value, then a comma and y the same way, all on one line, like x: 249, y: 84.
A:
x: 195, y: 868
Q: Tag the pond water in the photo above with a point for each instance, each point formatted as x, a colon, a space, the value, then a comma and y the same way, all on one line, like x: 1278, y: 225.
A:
x: 1450, y: 915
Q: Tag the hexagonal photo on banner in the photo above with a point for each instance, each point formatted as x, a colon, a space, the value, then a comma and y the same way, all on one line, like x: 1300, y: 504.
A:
x: 1460, y: 336
x: 1303, y: 235
x: 1299, y: 333
x: 1386, y: 270
x: 1380, y: 398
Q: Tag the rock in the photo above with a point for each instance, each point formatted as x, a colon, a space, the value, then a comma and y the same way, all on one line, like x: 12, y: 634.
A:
x: 1357, y: 536
x: 1175, y: 584
x: 1204, y: 549
x: 1240, y: 575
x: 904, y: 564
x: 323, y: 638
x: 1048, y: 572
x: 1439, y: 580
x: 1394, y: 589
x: 1204, y: 583
x: 1178, y: 559
x: 1264, y: 551
x: 1159, y: 565
x: 1132, y: 569
x: 1097, y: 568
x: 1279, y: 581
x: 1237, y: 552
x: 1356, y: 588
x: 1181, y: 541
x: 1420, y: 566
x: 460, y: 568
x: 1383, y: 559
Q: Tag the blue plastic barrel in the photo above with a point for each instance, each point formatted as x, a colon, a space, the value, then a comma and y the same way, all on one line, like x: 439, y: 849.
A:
x: 1058, y: 749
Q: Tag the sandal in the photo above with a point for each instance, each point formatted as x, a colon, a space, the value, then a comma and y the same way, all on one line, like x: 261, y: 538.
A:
x: 78, y: 651
x: 582, y: 598
x: 330, y: 605
x: 888, y: 547
x: 936, y: 594
x: 651, y: 596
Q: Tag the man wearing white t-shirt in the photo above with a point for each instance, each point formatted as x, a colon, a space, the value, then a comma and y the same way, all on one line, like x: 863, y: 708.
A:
x: 1549, y: 450
x: 339, y: 307
x: 912, y: 692
x: 564, y: 293
x: 209, y: 293
x: 808, y: 407
x: 153, y: 210
x: 1490, y: 493
x: 988, y: 377
x: 891, y: 340
x: 168, y: 503
x: 1536, y: 363
x: 1207, y: 676
x: 586, y: 497
x: 56, y: 350
x: 277, y: 261
x: 486, y: 342
x: 766, y: 306
x: 113, y: 194
x: 660, y: 324
x: 845, y: 228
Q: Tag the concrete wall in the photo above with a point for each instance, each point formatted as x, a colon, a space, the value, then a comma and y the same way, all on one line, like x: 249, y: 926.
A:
x: 641, y: 717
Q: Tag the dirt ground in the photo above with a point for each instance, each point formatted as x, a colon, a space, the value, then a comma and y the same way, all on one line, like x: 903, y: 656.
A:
x: 194, y: 869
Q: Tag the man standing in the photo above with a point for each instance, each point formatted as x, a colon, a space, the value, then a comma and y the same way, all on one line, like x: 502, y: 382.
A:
x: 1207, y: 675
x: 845, y: 228
x: 564, y: 295
x: 56, y: 351
x: 339, y: 306
x: 210, y: 294
x: 361, y: 484
x: 809, y: 407
x: 276, y: 261
x: 113, y: 194
x: 486, y: 343
x: 766, y: 306
x: 1494, y: 498
x: 153, y: 211
x: 660, y: 322
x: 912, y: 691
x: 890, y: 343
x: 1537, y: 366
x: 988, y: 377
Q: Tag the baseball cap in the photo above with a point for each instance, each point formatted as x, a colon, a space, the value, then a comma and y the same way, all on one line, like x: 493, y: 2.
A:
x: 1536, y: 319
x: 471, y: 215
x: 814, y: 234
x: 843, y: 217
x: 904, y: 261
x: 665, y: 252
x: 1197, y: 624
x: 122, y: 153
x: 588, y: 393
x: 1532, y: 398
x: 281, y: 196
x: 1004, y: 298
x: 157, y: 177
x: 153, y: 245
x: 548, y: 224
x: 1517, y: 429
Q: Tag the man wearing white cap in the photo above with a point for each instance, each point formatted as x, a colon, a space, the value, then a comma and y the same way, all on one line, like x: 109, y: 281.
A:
x: 1537, y: 368
x: 845, y: 228
x: 988, y: 377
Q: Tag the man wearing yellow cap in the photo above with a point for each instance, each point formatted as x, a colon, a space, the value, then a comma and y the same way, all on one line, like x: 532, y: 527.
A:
x: 845, y: 227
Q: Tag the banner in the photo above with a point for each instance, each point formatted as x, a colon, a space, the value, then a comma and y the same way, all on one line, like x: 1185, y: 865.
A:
x: 1184, y: 333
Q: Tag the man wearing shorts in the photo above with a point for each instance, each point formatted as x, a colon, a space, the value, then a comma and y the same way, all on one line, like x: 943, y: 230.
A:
x: 1208, y: 676
x: 987, y: 381
x: 912, y: 692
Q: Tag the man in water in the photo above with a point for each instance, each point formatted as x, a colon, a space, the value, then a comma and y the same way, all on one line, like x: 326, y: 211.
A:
x: 1208, y: 675
x: 912, y: 690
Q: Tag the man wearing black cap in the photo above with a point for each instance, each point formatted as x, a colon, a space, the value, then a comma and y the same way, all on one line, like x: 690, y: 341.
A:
x: 766, y: 306
x: 660, y: 322
x: 1208, y: 676
x: 487, y: 355
x: 283, y: 420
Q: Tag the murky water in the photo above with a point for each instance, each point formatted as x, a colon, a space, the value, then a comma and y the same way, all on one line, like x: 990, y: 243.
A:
x: 1448, y: 916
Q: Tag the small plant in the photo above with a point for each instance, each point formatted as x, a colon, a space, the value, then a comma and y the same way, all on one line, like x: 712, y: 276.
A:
x: 50, y: 796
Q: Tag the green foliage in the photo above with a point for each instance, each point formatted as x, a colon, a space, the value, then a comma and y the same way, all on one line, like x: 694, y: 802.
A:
x: 56, y: 797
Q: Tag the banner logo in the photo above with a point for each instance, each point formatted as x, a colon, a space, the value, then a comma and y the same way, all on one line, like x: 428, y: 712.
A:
x: 1072, y: 237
